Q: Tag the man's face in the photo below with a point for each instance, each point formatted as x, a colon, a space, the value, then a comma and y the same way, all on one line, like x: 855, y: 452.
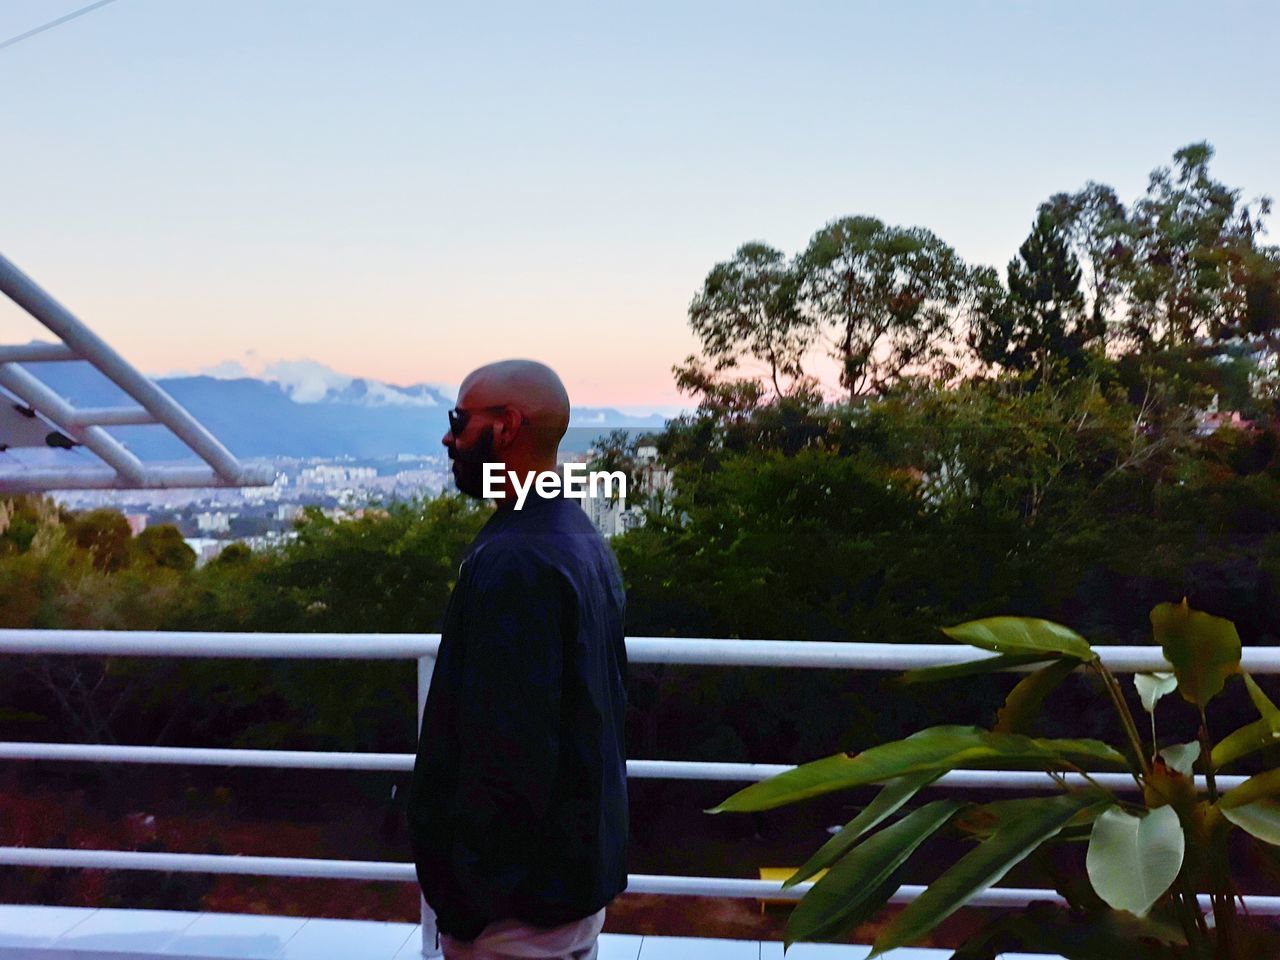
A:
x: 471, y: 450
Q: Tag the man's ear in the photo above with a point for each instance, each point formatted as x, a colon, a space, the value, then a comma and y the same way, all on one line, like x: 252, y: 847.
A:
x: 498, y: 437
x: 504, y: 430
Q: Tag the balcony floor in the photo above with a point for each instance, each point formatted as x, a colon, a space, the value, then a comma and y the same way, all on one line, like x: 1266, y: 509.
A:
x: 30, y: 932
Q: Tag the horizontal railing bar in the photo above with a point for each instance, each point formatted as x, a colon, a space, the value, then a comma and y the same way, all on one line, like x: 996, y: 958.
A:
x: 406, y: 873
x: 208, y: 756
x: 403, y: 763
x: 36, y: 353
x: 673, y: 650
x: 111, y: 416
x: 213, y: 644
x: 39, y: 479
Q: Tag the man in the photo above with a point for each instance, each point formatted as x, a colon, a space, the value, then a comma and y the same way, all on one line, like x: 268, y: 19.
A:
x: 518, y: 806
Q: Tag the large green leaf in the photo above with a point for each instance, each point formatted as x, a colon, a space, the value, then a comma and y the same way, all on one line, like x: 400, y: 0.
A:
x: 970, y: 668
x: 1022, y: 635
x: 1132, y: 860
x: 1203, y: 649
x: 1264, y: 786
x: 1248, y: 739
x: 983, y: 820
x: 1260, y: 818
x: 1037, y: 819
x: 843, y: 898
x: 934, y: 750
x: 895, y: 793
x: 1026, y: 699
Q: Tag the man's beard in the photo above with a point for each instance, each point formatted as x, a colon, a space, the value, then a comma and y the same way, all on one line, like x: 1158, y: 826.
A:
x: 468, y: 466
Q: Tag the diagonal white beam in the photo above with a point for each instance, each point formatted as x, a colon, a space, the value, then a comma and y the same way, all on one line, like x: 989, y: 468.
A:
x: 23, y: 291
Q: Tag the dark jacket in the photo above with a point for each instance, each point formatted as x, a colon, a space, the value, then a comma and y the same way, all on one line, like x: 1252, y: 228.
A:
x: 518, y: 804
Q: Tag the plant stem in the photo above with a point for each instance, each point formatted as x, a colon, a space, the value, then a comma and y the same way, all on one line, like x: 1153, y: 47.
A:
x: 1191, y: 906
x: 1084, y: 773
x: 1126, y: 718
x: 1206, y: 757
x: 1223, y: 896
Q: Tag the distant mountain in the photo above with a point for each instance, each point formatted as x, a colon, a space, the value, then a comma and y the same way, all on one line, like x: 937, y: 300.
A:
x: 315, y: 416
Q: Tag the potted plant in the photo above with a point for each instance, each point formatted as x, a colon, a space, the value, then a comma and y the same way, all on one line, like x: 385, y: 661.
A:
x: 1148, y: 851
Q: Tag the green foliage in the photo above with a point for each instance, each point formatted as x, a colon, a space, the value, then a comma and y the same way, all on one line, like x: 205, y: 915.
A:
x: 885, y: 295
x: 1144, y: 858
x: 163, y: 546
x: 1192, y: 260
x: 895, y: 793
x: 1018, y: 635
x: 1132, y: 860
x: 1040, y: 324
x: 862, y: 881
x: 105, y: 534
x: 1203, y: 649
x: 748, y: 308
x: 1025, y: 825
x: 933, y: 750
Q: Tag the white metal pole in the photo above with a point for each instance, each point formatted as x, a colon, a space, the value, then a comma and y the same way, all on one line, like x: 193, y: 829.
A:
x: 24, y: 291
x: 430, y: 936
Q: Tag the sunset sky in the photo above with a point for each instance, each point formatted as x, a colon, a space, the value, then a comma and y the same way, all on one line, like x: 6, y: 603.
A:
x: 402, y: 189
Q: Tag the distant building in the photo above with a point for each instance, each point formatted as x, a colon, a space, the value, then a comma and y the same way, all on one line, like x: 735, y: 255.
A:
x: 327, y: 475
x: 137, y: 522
x: 1211, y: 420
x: 610, y: 517
x: 288, y: 512
x: 213, y: 522
x: 206, y: 548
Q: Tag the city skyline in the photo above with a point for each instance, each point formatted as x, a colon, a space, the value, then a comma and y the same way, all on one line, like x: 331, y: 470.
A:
x: 405, y: 192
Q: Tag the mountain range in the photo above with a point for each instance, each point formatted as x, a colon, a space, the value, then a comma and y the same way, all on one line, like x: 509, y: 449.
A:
x: 320, y: 413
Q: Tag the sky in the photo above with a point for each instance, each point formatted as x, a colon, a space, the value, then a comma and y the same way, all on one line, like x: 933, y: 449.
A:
x: 404, y: 190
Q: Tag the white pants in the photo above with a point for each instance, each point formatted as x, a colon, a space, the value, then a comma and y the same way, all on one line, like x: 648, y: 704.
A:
x: 511, y: 938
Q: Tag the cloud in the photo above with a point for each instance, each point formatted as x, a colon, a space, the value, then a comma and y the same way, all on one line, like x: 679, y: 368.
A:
x: 309, y: 381
x: 226, y: 370
x: 305, y: 381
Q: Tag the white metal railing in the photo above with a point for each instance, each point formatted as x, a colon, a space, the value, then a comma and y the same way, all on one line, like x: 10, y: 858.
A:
x: 423, y: 648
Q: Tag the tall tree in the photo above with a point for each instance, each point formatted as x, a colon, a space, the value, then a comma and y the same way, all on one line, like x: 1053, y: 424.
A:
x: 886, y: 297
x: 1192, y: 243
x: 1095, y: 225
x: 747, y: 307
x: 1041, y: 321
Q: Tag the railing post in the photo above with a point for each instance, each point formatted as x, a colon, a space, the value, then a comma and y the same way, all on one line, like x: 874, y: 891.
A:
x: 430, y: 938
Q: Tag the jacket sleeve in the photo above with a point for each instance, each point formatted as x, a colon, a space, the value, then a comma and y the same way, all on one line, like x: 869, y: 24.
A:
x: 508, y: 722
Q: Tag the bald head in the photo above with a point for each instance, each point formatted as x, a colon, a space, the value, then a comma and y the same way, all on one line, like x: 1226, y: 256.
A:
x: 532, y: 388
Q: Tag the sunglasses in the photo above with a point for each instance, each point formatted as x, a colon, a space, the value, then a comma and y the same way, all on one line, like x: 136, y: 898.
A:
x: 458, y: 417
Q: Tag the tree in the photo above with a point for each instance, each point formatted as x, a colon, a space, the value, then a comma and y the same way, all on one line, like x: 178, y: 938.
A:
x: 747, y: 307
x: 1041, y: 321
x: 1192, y: 249
x: 885, y: 294
x: 162, y: 545
x: 1095, y: 225
x: 105, y: 534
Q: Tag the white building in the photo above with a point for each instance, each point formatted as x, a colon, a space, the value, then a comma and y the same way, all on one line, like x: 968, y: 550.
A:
x: 206, y: 548
x: 288, y: 512
x: 213, y: 522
